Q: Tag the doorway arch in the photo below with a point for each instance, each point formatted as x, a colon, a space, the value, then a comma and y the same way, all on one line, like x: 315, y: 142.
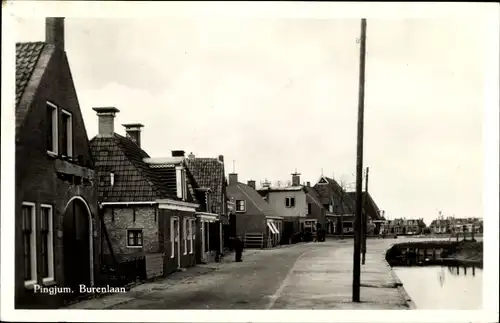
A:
x: 78, y: 243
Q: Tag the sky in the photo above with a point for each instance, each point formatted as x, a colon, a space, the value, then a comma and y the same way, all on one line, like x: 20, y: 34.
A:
x: 278, y: 95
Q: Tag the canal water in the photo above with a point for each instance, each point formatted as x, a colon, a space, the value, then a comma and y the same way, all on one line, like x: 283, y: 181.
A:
x: 443, y: 288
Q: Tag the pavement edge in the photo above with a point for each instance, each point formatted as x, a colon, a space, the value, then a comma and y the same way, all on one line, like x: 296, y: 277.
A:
x: 399, y: 284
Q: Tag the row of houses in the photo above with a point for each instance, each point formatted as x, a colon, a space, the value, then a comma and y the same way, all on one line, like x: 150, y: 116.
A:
x: 456, y: 225
x: 92, y: 210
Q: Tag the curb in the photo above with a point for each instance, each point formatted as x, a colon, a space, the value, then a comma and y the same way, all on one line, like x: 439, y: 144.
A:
x: 399, y: 285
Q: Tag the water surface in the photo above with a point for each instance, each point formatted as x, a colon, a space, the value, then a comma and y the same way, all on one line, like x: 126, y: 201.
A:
x: 443, y: 288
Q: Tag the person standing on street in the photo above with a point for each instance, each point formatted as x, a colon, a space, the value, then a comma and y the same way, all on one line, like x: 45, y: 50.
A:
x: 238, y: 248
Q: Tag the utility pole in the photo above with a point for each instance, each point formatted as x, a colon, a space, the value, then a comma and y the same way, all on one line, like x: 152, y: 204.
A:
x: 356, y: 279
x: 365, y: 219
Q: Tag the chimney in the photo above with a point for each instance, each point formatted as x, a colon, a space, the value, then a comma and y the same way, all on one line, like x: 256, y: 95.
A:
x: 308, y: 184
x: 295, y: 179
x: 178, y: 153
x: 233, y: 179
x: 251, y: 183
x: 191, y: 156
x: 133, y: 131
x: 54, y: 31
x: 266, y: 184
x: 106, y: 117
x: 221, y: 158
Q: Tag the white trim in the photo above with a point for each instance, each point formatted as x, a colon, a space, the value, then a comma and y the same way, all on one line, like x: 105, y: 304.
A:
x: 177, y: 205
x: 244, y: 206
x: 91, y: 234
x: 178, y: 180
x: 207, y: 217
x: 185, y: 235
x: 69, y: 143
x: 55, y: 129
x: 164, y: 160
x: 33, y: 254
x: 127, y: 203
x: 50, y: 243
x: 142, y: 238
x: 191, y: 235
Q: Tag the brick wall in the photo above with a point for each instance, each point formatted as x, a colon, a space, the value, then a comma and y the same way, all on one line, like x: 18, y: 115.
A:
x: 36, y: 180
x: 251, y: 223
x: 154, y: 265
x: 119, y: 219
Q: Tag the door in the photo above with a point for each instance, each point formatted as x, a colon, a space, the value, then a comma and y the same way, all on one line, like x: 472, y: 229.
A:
x: 203, y: 241
x: 76, y: 245
x: 175, y: 239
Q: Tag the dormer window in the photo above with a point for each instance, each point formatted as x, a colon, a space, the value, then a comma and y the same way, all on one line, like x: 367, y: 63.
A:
x: 181, y: 182
x: 112, y: 178
x: 51, y: 130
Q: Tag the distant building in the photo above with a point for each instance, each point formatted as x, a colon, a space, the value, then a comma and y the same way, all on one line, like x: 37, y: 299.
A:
x: 257, y: 223
x: 290, y: 203
x: 456, y: 225
x: 405, y: 226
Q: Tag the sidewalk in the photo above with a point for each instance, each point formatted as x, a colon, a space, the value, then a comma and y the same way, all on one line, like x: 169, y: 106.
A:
x: 322, y: 279
x: 185, y: 276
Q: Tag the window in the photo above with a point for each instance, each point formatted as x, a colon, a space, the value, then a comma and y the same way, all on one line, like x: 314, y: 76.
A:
x: 240, y: 206
x: 330, y: 208
x: 190, y: 235
x: 185, y: 235
x: 174, y: 234
x: 51, y: 130
x: 180, y: 174
x: 290, y: 202
x: 67, y: 134
x: 309, y: 208
x: 29, y: 243
x: 134, y: 238
x: 47, y: 243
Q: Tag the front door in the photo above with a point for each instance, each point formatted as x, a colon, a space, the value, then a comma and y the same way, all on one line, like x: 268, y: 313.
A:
x: 76, y: 245
x: 176, y: 246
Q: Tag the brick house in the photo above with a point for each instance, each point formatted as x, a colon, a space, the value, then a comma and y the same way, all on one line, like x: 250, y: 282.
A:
x: 56, y: 193
x: 206, y: 186
x: 256, y: 221
x: 207, y: 175
x: 147, y: 210
x: 339, y: 206
x: 316, y: 211
x: 371, y: 209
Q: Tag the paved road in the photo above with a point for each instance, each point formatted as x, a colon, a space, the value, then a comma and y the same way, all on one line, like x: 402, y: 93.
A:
x: 306, y: 276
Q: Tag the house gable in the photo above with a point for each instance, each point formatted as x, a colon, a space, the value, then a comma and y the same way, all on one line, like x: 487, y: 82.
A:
x: 209, y: 173
x: 50, y: 81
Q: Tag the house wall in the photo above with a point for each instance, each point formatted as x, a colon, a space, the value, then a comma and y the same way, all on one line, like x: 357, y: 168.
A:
x: 251, y: 220
x: 165, y: 243
x: 317, y: 212
x: 250, y: 223
x: 277, y: 202
x: 119, y: 219
x: 36, y: 180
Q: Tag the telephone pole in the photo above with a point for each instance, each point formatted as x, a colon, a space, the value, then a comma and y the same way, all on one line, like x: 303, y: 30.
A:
x: 356, y: 279
x: 365, y: 219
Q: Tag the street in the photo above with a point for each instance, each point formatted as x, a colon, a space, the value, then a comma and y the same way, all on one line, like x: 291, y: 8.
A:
x: 304, y: 276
